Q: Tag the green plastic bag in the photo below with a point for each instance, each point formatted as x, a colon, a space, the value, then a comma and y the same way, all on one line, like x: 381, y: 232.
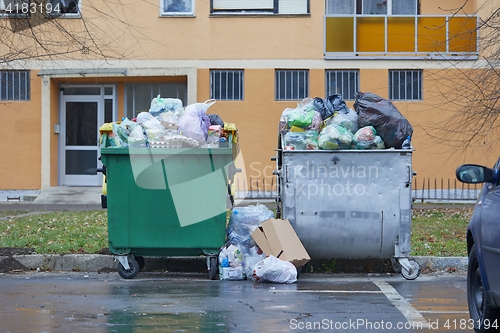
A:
x: 300, y: 118
x: 334, y: 137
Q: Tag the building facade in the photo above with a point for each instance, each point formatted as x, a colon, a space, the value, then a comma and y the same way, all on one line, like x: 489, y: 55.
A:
x: 70, y: 66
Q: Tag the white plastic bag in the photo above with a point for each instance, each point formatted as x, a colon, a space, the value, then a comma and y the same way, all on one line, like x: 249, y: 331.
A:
x: 251, y: 259
x: 142, y: 117
x: 195, y: 123
x: 137, y: 138
x: 273, y: 269
x: 190, y: 126
x: 153, y: 123
x: 198, y: 108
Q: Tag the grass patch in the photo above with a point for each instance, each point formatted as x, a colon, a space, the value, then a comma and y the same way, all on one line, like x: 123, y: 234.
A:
x: 440, y: 232
x: 58, y: 232
x: 435, y: 232
x: 8, y: 213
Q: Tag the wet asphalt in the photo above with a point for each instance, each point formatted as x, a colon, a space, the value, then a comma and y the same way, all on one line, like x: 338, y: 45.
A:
x: 90, y: 302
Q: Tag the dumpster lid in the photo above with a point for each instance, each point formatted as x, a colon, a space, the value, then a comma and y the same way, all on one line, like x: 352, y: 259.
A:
x: 277, y: 237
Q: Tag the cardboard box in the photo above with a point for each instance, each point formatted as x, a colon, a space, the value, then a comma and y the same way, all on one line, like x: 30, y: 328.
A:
x: 277, y: 238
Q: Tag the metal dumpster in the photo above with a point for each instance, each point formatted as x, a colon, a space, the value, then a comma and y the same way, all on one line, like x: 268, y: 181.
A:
x: 349, y: 203
x: 166, y: 202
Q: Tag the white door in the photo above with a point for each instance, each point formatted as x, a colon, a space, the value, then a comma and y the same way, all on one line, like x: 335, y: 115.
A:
x: 80, y: 119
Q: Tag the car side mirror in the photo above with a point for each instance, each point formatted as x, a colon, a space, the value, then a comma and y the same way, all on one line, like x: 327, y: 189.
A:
x: 474, y: 174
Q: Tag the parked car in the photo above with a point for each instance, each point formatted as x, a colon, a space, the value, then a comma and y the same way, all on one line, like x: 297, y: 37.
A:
x: 483, y: 247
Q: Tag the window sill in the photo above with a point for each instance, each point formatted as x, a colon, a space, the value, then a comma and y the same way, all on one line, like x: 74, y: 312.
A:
x: 226, y: 14
x: 11, y: 16
x: 64, y: 16
x: 177, y: 15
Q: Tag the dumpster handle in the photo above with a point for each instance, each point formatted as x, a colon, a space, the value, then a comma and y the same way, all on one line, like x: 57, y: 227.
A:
x: 409, y: 175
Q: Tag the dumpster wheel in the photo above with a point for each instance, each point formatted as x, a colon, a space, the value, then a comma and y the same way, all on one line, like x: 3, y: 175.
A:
x: 413, y: 272
x: 132, y: 271
x: 213, y: 268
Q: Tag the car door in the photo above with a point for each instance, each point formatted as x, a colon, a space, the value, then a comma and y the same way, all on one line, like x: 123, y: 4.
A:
x: 490, y: 232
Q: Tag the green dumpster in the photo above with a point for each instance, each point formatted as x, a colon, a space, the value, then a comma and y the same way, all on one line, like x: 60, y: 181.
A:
x: 166, y: 202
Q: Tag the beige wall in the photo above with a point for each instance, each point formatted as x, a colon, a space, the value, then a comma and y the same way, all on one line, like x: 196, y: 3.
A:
x: 447, y: 7
x: 20, y: 137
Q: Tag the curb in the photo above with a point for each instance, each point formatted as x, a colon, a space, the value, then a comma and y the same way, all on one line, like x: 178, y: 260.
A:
x: 106, y: 263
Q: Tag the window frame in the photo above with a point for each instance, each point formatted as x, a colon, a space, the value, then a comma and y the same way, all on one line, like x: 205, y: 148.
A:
x: 11, y: 94
x: 349, y: 72
x: 164, y: 13
x: 277, y: 85
x: 241, y: 90
x: 418, y: 81
x: 359, y: 8
x: 271, y: 10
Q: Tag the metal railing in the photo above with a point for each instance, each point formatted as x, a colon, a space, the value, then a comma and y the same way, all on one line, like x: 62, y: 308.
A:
x: 423, y: 189
x: 427, y: 189
x: 256, y: 188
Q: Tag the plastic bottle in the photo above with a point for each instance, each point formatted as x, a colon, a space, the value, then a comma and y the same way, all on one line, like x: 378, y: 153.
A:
x: 407, y: 143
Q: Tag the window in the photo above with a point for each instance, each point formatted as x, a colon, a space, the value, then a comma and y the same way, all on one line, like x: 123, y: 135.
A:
x: 340, y: 7
x: 260, y: 6
x: 373, y: 7
x: 138, y: 97
x: 226, y: 84
x: 395, y: 27
x: 291, y: 85
x: 65, y: 8
x: 14, y: 86
x: 14, y: 7
x: 177, y: 7
x: 344, y: 82
x: 405, y: 85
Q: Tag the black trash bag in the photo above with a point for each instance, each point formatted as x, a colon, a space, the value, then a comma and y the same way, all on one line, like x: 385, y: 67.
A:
x: 329, y: 105
x: 215, y: 119
x: 380, y: 113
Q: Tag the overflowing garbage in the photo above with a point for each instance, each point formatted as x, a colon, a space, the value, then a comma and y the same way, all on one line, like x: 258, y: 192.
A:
x: 168, y: 124
x: 254, y: 250
x: 316, y: 123
x: 243, y: 221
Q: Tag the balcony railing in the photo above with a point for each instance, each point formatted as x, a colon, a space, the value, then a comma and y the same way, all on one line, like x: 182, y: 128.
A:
x: 382, y: 36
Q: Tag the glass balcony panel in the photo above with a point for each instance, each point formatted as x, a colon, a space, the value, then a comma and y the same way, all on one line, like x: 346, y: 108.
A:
x: 360, y: 35
x: 431, y: 34
x: 401, y: 34
x: 370, y: 34
x: 339, y: 34
x: 462, y: 34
